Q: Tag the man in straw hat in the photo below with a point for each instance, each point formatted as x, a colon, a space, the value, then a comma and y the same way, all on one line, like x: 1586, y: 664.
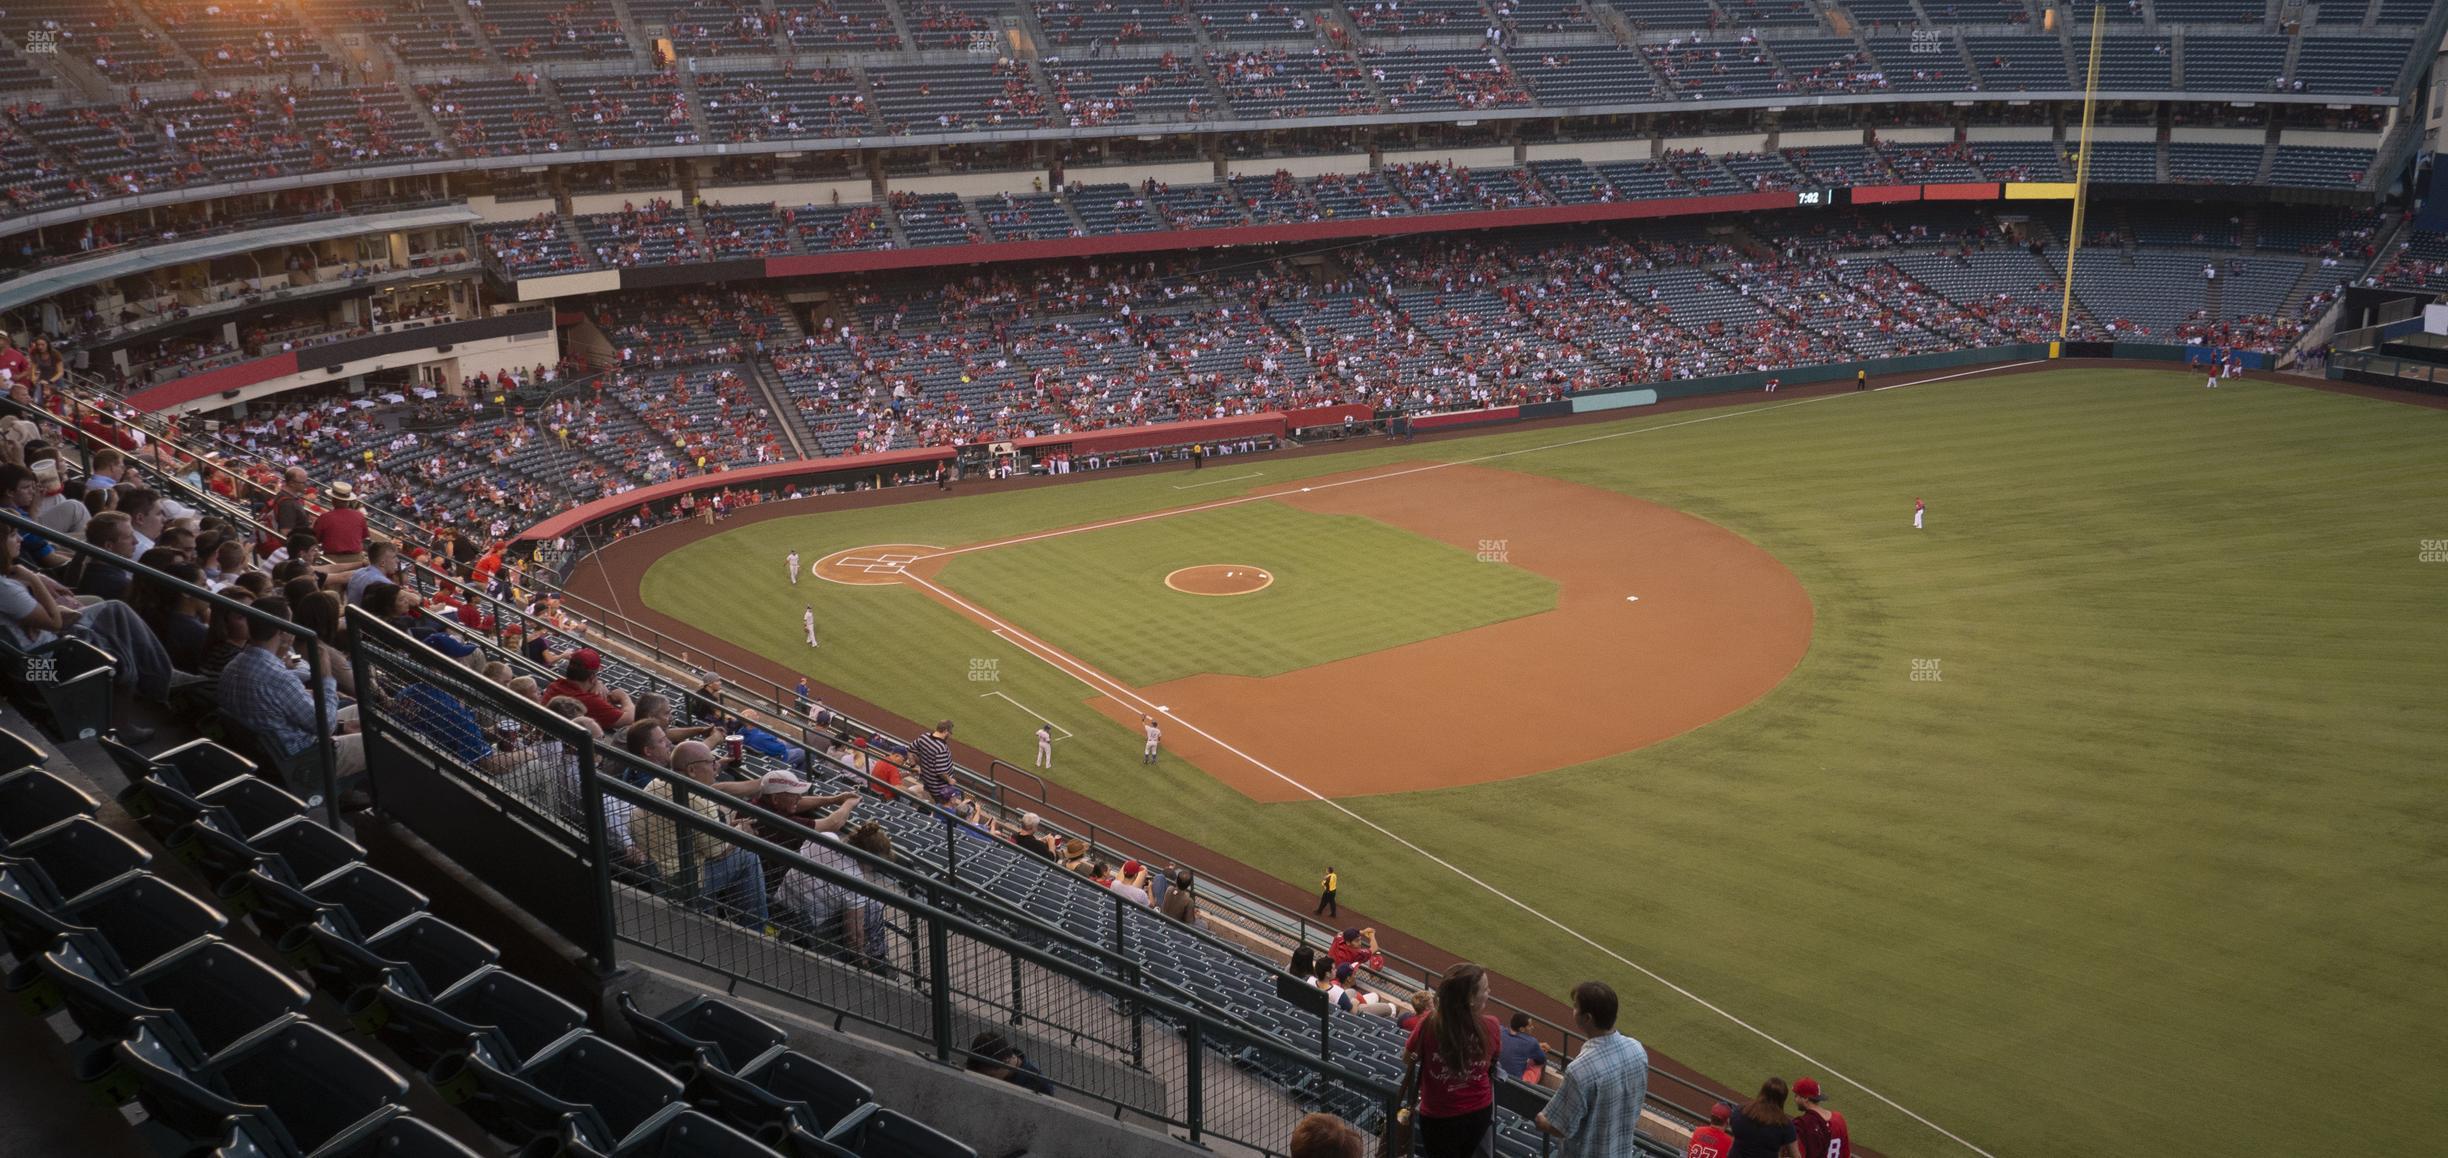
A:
x: 342, y: 528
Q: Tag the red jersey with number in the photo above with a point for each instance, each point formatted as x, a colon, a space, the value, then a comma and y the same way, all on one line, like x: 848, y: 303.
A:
x: 1710, y: 1142
x: 1823, y: 1137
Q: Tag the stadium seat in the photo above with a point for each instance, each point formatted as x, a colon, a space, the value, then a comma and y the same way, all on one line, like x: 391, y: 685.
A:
x: 18, y: 752
x: 398, y: 1137
x: 585, y: 1090
x: 501, y: 1016
x: 65, y: 686
x: 875, y: 1132
x: 123, y: 926
x: 300, y: 1083
x: 208, y: 995
x: 32, y: 799
x: 75, y: 855
x: 704, y: 1031
x: 829, y: 1094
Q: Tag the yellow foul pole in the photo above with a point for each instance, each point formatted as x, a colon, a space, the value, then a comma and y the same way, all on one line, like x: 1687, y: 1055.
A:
x: 2082, y: 169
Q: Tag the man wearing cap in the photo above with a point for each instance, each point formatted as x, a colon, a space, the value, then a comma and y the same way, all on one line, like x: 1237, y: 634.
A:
x: 342, y: 528
x: 1822, y: 1130
x: 609, y: 708
x: 1127, y: 885
x: 1600, y: 1102
x: 1712, y: 1141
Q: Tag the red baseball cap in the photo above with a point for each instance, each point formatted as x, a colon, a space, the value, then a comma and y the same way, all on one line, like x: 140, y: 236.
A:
x: 587, y: 658
x: 1721, y: 1113
x: 1806, y: 1088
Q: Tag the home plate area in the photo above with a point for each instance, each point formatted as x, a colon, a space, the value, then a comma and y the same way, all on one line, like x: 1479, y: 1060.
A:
x: 873, y: 566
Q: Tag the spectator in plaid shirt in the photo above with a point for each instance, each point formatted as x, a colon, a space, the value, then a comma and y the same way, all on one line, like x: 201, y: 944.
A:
x: 259, y: 694
x: 1601, y: 1100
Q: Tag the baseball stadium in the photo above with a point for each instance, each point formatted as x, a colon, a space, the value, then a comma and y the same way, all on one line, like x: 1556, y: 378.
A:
x: 1138, y: 578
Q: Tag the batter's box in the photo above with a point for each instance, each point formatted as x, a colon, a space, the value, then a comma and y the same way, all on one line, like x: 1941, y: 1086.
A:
x: 878, y: 565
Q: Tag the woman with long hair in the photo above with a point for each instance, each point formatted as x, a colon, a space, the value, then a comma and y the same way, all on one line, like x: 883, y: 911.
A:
x: 1455, y: 1047
x: 1763, y: 1129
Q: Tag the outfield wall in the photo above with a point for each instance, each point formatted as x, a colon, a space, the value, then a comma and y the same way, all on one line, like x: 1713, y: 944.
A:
x: 1164, y: 438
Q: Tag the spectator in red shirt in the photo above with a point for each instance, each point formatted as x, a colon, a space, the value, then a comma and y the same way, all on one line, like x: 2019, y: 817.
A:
x: 342, y: 529
x: 1455, y: 1049
x: 1712, y: 1141
x: 611, y: 710
x: 1823, y: 1131
x: 1356, y: 947
x: 15, y: 367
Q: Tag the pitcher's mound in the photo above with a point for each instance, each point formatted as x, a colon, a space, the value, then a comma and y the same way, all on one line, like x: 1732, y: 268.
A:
x: 1219, y: 579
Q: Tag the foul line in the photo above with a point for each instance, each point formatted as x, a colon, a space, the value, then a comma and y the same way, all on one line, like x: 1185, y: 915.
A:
x: 1291, y: 489
x: 1032, y: 713
x: 1105, y: 685
x: 1214, y: 481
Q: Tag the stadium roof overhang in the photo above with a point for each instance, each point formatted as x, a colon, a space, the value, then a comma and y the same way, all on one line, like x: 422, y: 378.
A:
x: 52, y: 280
x: 1139, y: 128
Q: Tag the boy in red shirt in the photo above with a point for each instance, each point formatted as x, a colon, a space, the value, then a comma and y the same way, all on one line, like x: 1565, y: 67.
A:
x: 1822, y: 1130
x: 1712, y: 1141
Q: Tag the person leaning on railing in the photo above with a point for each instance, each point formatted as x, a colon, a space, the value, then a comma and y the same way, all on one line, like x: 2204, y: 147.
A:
x: 36, y: 609
x: 730, y: 879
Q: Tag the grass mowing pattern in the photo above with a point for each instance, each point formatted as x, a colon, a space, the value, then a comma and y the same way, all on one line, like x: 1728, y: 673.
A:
x: 2169, y: 820
x: 1344, y: 586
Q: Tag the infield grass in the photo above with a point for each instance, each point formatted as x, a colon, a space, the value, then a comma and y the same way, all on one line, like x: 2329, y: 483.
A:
x: 2167, y: 828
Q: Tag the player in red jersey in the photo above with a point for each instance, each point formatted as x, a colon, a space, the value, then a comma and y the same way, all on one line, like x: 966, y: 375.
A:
x: 1712, y: 1141
x: 1822, y: 1130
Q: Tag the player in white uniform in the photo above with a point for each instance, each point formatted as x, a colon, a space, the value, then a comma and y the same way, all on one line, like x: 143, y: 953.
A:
x: 807, y: 619
x: 1155, y: 735
x: 1918, y: 507
x: 793, y: 560
x: 1045, y: 745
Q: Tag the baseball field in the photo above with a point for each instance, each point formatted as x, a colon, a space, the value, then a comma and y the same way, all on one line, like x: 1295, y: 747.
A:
x: 2102, y: 815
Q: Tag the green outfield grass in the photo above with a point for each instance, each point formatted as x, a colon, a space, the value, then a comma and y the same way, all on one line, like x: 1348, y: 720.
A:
x: 1342, y: 586
x: 2164, y: 834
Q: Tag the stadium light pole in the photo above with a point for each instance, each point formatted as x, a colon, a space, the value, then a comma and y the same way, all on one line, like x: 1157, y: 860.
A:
x: 2082, y: 169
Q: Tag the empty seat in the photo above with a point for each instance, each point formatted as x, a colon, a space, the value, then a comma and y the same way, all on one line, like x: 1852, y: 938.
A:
x: 828, y: 1093
x: 690, y: 1134
x: 441, y: 953
x: 502, y: 1016
x: 585, y: 1091
x: 18, y: 752
x: 212, y: 994
x: 124, y: 926
x: 32, y: 799
x: 875, y: 1132
x: 704, y: 1031
x: 398, y: 1137
x: 303, y: 1082
x: 76, y: 855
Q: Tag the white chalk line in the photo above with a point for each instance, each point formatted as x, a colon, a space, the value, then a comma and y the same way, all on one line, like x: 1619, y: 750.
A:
x: 1032, y: 713
x: 1216, y: 481
x: 1103, y: 684
x: 1220, y: 504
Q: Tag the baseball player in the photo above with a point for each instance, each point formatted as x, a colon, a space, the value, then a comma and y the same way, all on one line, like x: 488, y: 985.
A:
x: 1918, y: 507
x: 807, y: 619
x: 793, y: 560
x: 1045, y: 745
x: 1155, y: 736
